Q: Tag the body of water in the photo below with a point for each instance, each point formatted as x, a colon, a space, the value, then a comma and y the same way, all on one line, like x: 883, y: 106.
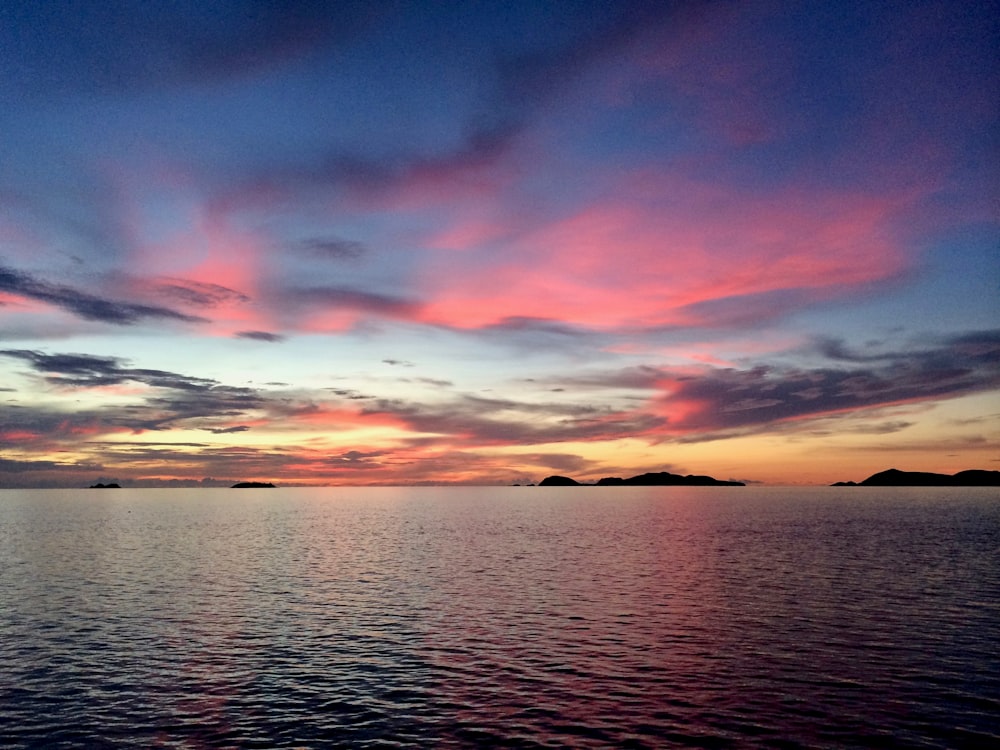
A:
x: 506, y: 617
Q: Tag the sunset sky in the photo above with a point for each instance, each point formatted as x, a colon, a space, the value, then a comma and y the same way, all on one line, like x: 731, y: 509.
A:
x: 397, y: 243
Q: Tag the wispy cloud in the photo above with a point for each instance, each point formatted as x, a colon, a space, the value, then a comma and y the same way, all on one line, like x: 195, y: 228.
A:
x: 198, y: 294
x: 332, y: 248
x: 83, y: 304
x: 88, y: 371
x: 271, y: 338
x: 173, y: 398
x: 722, y: 399
x: 352, y: 299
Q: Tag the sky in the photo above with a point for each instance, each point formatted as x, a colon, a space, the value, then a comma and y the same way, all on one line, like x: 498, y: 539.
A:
x: 388, y: 243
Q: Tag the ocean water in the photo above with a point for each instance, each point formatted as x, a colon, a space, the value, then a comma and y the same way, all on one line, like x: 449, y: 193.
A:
x: 500, y: 617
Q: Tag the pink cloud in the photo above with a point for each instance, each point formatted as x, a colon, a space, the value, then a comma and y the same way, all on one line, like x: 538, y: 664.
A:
x: 651, y: 256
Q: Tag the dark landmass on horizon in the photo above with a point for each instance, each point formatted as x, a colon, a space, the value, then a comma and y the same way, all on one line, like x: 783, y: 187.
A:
x: 651, y: 479
x: 251, y: 485
x: 897, y: 478
x: 108, y: 486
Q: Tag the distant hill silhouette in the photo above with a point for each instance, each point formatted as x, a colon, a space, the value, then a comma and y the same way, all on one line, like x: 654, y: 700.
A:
x: 557, y: 481
x: 251, y: 485
x: 108, y: 486
x: 652, y: 479
x: 897, y: 478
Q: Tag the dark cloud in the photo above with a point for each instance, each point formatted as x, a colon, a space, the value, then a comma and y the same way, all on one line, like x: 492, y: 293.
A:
x: 43, y: 427
x: 477, y: 421
x: 398, y: 362
x: 119, y: 444
x: 516, y: 85
x: 364, y: 175
x: 133, y: 460
x: 199, y: 293
x: 16, y: 473
x: 567, y: 462
x: 730, y: 398
x: 520, y: 324
x: 356, y: 459
x: 641, y: 377
x: 87, y: 371
x: 718, y: 402
x: 878, y: 428
x: 176, y: 398
x: 530, y: 334
x: 250, y: 35
x: 348, y: 393
x: 436, y: 382
x: 332, y: 248
x: 352, y: 299
x: 272, y: 338
x: 83, y: 304
x: 528, y: 81
x: 744, y: 310
x: 13, y: 466
x: 226, y: 402
x: 125, y: 46
x: 226, y: 430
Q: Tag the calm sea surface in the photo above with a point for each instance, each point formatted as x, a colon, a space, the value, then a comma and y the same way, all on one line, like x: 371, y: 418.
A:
x: 510, y: 617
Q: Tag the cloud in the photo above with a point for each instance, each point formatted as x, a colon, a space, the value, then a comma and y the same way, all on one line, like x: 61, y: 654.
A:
x: 128, y: 47
x: 476, y: 421
x: 517, y: 83
x: 260, y: 336
x: 668, y: 251
x: 347, y: 298
x: 149, y: 443
x: 84, y: 305
x: 436, y: 382
x: 13, y: 466
x: 88, y: 371
x: 705, y: 402
x: 356, y: 459
x: 404, y: 179
x: 724, y: 399
x: 197, y: 293
x: 457, y: 436
x: 173, y: 398
x: 745, y: 310
x: 348, y: 393
x: 528, y: 81
x: 641, y: 377
x: 332, y: 248
x: 540, y: 328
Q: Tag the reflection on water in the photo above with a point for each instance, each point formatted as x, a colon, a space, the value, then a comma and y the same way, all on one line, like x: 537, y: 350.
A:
x: 518, y: 617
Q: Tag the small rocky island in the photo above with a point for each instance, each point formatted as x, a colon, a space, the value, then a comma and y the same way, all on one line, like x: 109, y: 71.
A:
x: 651, y: 479
x: 251, y: 485
x: 897, y: 478
x: 108, y: 486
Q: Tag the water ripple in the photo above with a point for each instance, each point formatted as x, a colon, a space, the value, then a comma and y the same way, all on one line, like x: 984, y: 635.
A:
x: 503, y: 617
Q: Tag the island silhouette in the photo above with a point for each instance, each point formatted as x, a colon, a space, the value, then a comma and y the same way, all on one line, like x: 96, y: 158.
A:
x: 897, y: 478
x: 650, y: 479
x: 251, y: 485
x: 108, y: 486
